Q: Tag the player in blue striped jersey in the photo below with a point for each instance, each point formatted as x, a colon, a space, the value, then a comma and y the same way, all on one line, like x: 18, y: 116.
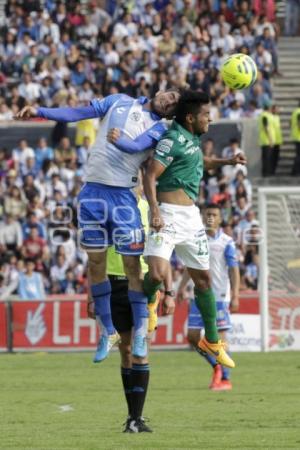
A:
x: 107, y: 207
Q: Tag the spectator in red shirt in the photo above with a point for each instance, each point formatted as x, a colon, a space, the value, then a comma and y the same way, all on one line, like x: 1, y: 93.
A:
x: 35, y: 247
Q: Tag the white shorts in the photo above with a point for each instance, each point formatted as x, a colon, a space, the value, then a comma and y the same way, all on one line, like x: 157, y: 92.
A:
x: 184, y: 232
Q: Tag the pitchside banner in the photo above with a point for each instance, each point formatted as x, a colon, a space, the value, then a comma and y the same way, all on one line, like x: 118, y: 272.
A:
x: 63, y: 325
x: 284, y: 322
x: 3, y: 328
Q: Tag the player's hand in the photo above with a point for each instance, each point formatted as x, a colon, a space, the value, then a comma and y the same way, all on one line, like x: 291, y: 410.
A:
x: 240, y: 158
x: 28, y: 112
x: 156, y: 221
x: 168, y: 305
x: 113, y: 135
x: 181, y: 295
x: 234, y: 304
x: 90, y: 309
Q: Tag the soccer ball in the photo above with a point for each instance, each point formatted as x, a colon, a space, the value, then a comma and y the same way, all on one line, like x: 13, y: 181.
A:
x: 239, y: 71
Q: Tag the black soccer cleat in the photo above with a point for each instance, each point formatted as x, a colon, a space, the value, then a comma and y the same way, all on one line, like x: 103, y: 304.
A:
x: 127, y: 423
x: 138, y: 426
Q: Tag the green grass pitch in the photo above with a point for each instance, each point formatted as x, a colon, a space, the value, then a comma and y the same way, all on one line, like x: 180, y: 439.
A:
x: 63, y: 401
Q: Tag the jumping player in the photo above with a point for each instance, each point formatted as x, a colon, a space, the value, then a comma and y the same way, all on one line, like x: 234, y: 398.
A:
x: 107, y: 207
x: 177, y: 168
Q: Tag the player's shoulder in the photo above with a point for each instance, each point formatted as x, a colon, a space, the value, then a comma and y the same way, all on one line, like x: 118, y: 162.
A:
x: 172, y: 139
x: 225, y: 239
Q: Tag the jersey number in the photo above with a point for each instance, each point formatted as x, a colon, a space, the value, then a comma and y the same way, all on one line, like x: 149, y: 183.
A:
x: 203, y: 247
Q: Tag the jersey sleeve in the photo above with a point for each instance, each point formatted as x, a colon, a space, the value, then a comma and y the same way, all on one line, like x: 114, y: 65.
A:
x: 67, y: 114
x: 230, y: 255
x: 165, y: 151
x: 101, y: 106
x: 143, y: 142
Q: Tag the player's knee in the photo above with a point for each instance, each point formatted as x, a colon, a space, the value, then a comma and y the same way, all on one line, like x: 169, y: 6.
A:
x: 96, y: 263
x: 156, y: 276
x: 132, y: 267
x: 203, y: 283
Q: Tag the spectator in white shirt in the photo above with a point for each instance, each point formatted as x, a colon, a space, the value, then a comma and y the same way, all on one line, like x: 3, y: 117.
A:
x: 29, y: 89
x: 58, y: 271
x: 11, y: 237
x: 110, y: 56
x: 21, y: 153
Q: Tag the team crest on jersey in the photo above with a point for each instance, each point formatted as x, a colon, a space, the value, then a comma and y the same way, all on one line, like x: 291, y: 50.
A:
x: 120, y: 110
x: 135, y: 116
x: 164, y: 146
x: 181, y: 139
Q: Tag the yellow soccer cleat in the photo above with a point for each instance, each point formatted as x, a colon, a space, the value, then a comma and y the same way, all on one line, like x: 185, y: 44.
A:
x: 152, y: 308
x: 217, y: 350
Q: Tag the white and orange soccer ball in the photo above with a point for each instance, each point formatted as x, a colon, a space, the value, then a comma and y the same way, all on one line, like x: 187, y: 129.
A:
x: 239, y: 71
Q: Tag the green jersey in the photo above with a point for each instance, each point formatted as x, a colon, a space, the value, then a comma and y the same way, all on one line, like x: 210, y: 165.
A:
x: 179, y: 151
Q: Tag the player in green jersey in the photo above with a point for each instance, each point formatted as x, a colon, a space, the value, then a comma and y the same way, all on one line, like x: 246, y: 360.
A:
x: 177, y: 169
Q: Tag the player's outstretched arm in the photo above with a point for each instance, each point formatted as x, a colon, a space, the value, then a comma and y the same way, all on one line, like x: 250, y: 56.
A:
x: 214, y: 163
x: 28, y: 112
x: 58, y: 114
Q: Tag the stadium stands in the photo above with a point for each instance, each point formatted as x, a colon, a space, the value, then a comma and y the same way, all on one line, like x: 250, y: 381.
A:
x: 55, y: 55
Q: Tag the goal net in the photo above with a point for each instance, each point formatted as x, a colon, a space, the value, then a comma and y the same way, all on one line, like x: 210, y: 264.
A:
x: 279, y: 255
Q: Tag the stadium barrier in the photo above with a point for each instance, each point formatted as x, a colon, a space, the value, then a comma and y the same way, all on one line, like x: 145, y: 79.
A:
x: 61, y: 324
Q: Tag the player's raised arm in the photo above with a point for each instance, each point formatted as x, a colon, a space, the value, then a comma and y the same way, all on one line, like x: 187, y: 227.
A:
x: 97, y: 108
x: 214, y: 163
x: 153, y: 171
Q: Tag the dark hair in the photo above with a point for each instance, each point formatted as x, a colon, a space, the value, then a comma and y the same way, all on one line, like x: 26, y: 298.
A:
x: 213, y: 206
x: 190, y: 102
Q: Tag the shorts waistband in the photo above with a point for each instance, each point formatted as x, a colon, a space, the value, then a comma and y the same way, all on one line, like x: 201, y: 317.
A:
x: 107, y: 186
x: 117, y: 277
x: 172, y: 206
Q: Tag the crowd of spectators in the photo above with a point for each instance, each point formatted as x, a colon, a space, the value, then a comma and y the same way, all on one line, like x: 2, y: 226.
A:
x: 39, y: 254
x: 66, y: 55
x: 58, y: 52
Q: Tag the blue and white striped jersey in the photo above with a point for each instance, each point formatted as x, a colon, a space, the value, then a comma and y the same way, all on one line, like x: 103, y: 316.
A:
x: 106, y: 163
x: 222, y: 256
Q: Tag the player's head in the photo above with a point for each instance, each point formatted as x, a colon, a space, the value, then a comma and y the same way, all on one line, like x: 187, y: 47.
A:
x: 212, y: 217
x: 164, y: 103
x: 193, y: 111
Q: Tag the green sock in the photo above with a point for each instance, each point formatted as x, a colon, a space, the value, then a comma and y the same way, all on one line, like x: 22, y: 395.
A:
x: 206, y: 303
x: 150, y: 288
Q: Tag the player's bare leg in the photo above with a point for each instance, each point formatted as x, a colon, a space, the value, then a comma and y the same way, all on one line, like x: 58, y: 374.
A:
x: 138, y: 301
x: 159, y: 273
x: 206, y: 303
x: 100, y: 291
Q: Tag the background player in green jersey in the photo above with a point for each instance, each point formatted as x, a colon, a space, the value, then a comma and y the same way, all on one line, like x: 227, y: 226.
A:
x: 177, y: 168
